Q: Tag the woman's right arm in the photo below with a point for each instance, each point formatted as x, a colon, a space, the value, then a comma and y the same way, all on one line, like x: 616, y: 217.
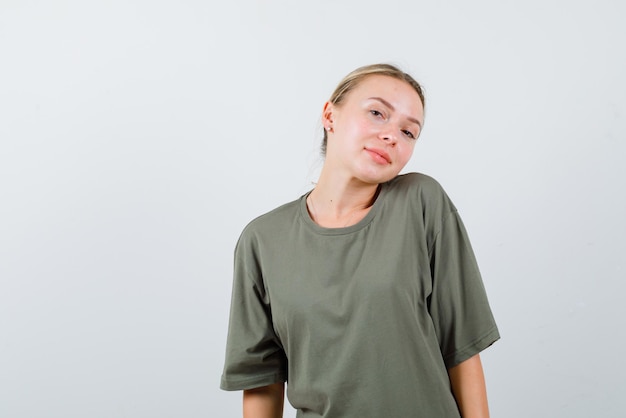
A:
x: 264, y: 402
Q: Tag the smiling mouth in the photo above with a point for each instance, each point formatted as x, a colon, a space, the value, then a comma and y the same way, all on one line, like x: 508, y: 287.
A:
x: 379, y: 155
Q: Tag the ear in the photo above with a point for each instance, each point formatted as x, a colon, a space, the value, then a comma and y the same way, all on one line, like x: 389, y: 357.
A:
x: 327, y: 115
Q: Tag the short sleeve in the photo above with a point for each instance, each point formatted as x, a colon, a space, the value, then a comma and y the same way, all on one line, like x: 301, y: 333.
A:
x: 458, y: 304
x: 254, y: 355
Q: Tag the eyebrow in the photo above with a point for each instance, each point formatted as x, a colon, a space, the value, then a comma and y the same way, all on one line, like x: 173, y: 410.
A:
x: 390, y: 106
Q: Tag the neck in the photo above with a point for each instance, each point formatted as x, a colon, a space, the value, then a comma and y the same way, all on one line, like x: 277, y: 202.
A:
x: 337, y: 202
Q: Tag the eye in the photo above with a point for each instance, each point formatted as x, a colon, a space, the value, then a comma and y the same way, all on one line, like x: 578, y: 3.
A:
x: 376, y: 113
x: 408, y: 133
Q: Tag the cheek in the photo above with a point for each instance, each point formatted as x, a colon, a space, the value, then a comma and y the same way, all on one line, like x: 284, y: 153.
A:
x: 406, y: 151
x: 361, y: 126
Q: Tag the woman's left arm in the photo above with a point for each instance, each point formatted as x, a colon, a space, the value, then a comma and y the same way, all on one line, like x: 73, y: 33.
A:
x: 468, y: 386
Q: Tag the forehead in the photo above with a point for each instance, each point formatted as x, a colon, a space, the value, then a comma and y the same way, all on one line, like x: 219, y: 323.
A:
x: 397, y: 92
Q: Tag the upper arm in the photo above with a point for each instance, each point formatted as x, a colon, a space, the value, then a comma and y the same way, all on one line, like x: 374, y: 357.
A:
x: 264, y: 402
x: 458, y: 304
x: 254, y: 354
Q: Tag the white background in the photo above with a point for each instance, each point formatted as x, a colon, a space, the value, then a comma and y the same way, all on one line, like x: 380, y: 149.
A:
x: 137, y: 138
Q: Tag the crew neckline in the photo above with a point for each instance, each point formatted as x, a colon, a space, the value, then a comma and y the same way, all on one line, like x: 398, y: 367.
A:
x: 304, y: 213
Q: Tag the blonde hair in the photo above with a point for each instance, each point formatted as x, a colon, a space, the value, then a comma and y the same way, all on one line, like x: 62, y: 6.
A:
x: 352, y: 80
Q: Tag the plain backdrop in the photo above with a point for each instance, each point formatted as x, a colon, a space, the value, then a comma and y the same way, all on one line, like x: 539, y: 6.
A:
x: 137, y: 139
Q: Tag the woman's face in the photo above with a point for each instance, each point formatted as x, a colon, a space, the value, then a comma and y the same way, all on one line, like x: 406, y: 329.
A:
x: 374, y: 130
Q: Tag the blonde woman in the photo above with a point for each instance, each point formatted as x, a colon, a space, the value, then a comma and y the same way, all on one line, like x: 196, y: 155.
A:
x: 363, y: 295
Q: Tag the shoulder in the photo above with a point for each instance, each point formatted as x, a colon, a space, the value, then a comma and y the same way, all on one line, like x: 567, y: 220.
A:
x: 415, y: 181
x: 419, y: 187
x: 418, y: 197
x: 272, y: 222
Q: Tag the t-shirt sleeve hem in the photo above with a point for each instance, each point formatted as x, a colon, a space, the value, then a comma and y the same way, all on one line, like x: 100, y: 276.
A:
x: 472, y: 349
x: 251, y: 382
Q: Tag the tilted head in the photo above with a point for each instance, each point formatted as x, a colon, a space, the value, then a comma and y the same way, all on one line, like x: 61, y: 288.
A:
x: 352, y: 80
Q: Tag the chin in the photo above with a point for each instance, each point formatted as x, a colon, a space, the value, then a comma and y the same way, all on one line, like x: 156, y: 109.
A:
x: 371, y: 173
x: 377, y: 178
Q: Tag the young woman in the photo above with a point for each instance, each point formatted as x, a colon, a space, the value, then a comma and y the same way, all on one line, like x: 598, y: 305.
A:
x: 363, y: 294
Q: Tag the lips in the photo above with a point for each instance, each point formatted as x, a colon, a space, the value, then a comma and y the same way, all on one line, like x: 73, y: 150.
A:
x: 379, y: 155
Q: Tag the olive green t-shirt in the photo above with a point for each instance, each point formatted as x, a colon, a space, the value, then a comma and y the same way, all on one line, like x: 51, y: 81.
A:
x: 361, y: 321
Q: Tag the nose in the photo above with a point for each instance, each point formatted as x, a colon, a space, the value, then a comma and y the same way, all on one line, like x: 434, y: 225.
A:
x: 388, y: 134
